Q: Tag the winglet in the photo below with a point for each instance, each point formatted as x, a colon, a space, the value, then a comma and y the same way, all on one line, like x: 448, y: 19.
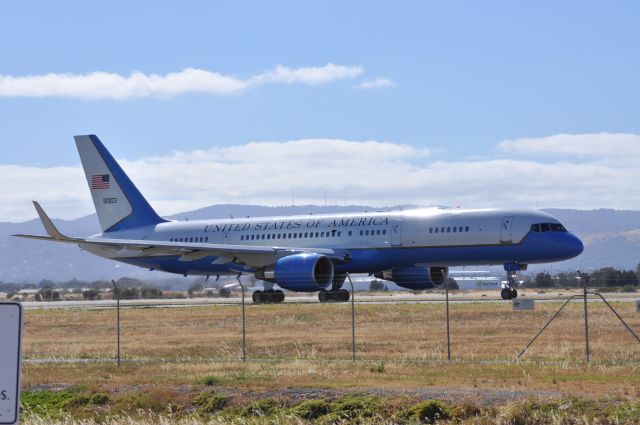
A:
x: 47, y: 223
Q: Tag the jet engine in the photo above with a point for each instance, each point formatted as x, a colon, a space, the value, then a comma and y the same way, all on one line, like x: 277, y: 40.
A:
x: 416, y: 278
x: 303, y: 272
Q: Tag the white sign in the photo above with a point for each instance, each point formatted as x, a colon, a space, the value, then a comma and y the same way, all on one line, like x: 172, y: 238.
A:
x: 523, y: 304
x: 10, y: 349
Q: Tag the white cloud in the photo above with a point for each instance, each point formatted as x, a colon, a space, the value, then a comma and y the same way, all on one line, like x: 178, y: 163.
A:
x: 369, y: 172
x: 104, y: 85
x: 375, y: 84
x: 602, y: 145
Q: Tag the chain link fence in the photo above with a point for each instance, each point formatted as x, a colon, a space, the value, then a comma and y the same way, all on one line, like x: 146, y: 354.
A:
x: 385, y: 329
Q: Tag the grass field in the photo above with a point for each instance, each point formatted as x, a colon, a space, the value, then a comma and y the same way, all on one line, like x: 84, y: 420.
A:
x: 486, y: 331
x: 301, y: 353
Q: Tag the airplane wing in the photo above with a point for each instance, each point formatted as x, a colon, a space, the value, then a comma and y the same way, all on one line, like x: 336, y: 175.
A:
x: 252, y: 256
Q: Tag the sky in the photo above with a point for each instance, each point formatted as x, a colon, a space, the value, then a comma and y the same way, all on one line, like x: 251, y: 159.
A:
x: 457, y: 103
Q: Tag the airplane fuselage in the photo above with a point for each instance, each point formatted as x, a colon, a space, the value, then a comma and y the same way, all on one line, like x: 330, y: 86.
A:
x: 375, y: 241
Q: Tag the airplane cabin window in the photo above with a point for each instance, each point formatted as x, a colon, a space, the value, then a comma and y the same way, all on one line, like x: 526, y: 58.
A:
x: 436, y: 230
x: 454, y: 229
x: 466, y: 229
x: 350, y: 233
x: 361, y: 232
x: 339, y: 233
x: 430, y: 229
x: 384, y: 231
x: 448, y: 229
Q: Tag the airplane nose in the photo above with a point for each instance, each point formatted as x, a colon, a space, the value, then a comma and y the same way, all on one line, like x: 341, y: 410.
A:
x: 573, y: 245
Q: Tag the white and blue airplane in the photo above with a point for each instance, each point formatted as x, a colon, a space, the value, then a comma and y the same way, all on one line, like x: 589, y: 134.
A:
x: 314, y: 253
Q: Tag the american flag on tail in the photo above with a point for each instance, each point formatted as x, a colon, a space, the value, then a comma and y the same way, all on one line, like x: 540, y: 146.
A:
x: 100, y: 181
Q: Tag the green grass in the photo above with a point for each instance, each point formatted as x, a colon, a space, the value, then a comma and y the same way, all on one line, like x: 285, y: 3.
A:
x: 77, y: 405
x: 55, y: 403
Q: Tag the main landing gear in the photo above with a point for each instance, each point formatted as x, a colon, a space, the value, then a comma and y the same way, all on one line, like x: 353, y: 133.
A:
x: 335, y: 294
x: 509, y: 291
x: 268, y: 297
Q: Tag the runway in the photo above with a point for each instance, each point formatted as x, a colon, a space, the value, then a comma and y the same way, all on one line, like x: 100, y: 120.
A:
x: 393, y: 297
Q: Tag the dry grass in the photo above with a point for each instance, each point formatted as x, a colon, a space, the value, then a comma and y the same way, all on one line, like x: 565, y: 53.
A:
x: 398, y: 346
x: 410, y: 332
x: 622, y: 381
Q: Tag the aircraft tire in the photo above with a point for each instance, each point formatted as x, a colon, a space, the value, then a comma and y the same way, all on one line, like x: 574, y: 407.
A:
x: 279, y: 296
x: 514, y: 294
x: 343, y: 295
x: 506, y: 294
x: 257, y: 297
x: 323, y: 296
x: 333, y: 296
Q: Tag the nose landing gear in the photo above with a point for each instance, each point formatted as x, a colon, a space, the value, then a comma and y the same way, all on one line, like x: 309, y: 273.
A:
x: 509, y: 291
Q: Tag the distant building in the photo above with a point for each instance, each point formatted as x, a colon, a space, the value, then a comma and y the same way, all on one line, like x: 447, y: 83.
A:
x: 476, y: 279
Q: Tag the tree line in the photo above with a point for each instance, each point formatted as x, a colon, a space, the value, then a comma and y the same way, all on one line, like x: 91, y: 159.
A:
x: 606, y: 277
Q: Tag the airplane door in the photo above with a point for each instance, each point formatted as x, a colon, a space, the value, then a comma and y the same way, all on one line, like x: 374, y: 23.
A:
x: 505, y: 230
x: 396, y: 232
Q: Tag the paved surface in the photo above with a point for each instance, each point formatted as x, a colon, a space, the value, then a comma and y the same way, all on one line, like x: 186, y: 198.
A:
x: 360, y: 297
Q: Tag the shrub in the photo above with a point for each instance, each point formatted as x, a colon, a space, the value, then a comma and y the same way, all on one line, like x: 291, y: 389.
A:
x: 312, y: 409
x: 209, y: 380
x: 91, y: 294
x: 430, y: 411
x: 264, y: 407
x: 352, y: 407
x: 211, y: 402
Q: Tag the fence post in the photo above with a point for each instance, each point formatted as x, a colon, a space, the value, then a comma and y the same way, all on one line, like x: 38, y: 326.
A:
x: 446, y: 292
x: 117, y: 294
x: 585, y: 281
x: 353, y: 321
x: 244, y: 326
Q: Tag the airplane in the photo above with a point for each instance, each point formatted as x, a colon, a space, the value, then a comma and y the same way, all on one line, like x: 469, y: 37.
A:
x: 310, y: 253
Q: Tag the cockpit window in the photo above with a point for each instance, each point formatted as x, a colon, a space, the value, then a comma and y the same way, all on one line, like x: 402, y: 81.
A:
x: 547, y: 227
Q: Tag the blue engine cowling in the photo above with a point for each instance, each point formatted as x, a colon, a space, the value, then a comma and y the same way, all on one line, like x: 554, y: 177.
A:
x: 304, y: 272
x: 416, y: 278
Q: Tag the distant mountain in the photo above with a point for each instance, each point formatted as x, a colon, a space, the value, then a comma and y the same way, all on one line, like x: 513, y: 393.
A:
x: 611, y: 237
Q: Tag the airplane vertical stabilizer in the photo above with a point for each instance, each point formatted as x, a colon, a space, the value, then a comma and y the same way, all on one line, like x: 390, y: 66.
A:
x: 119, y: 204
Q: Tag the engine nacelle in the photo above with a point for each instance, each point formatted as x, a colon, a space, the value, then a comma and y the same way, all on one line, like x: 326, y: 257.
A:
x: 416, y: 278
x: 304, y: 272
